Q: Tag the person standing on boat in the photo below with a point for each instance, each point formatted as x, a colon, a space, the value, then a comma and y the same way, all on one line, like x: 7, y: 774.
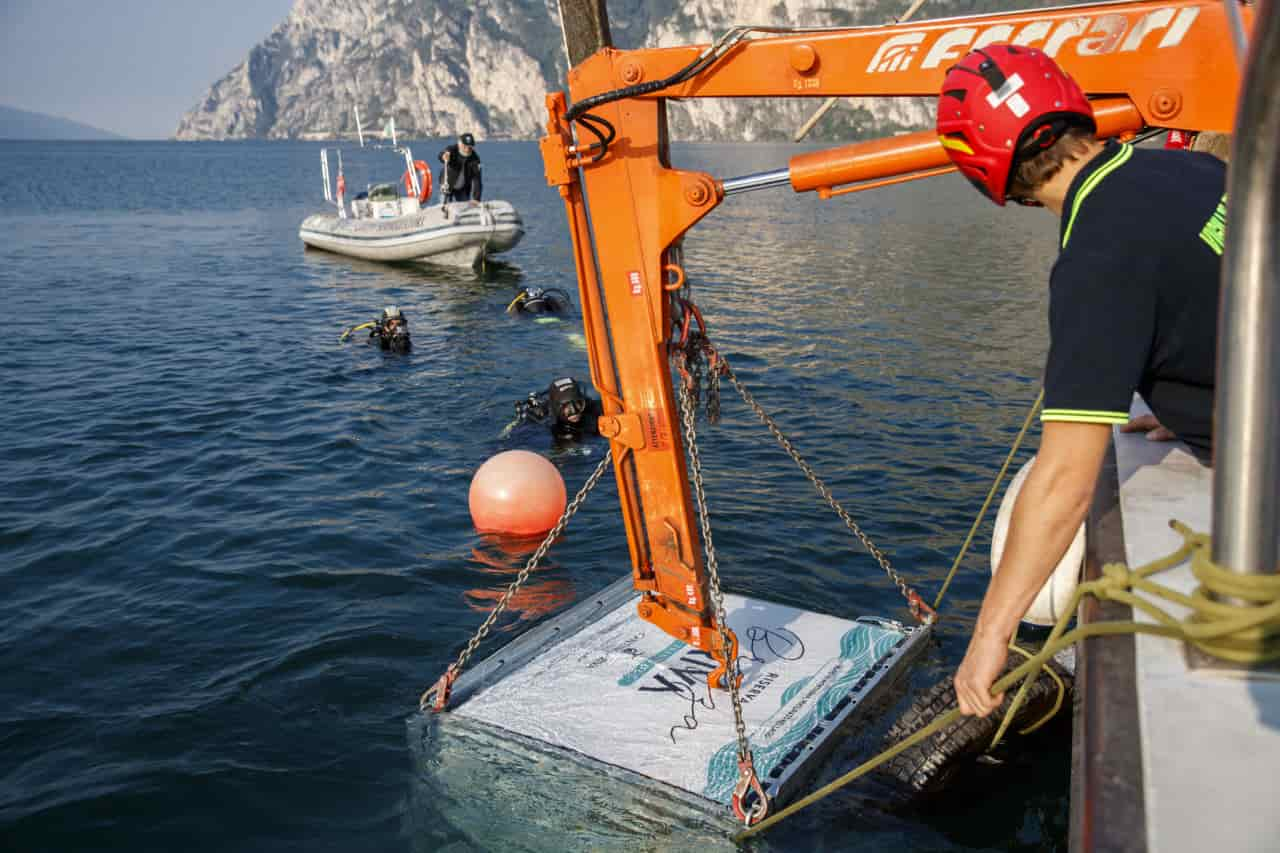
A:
x: 460, y: 178
x: 1133, y: 302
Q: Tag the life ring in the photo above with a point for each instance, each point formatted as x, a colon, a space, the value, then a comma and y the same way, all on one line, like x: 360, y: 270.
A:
x: 424, y: 181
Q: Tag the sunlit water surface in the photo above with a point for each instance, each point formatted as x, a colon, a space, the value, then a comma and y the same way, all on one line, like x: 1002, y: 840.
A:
x: 233, y: 550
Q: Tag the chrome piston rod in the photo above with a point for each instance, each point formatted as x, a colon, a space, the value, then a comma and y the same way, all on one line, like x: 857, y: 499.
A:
x: 757, y: 181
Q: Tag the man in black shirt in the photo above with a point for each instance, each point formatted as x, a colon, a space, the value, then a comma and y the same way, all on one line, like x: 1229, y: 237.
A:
x: 1133, y: 301
x: 460, y: 178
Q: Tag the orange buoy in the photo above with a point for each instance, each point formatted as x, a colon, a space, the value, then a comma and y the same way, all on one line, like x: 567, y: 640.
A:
x: 516, y: 492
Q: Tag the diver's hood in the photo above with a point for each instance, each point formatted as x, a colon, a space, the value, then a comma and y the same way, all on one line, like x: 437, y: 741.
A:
x: 566, y: 394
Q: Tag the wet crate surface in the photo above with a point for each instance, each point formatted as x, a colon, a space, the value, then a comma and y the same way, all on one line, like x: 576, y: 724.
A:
x: 616, y: 689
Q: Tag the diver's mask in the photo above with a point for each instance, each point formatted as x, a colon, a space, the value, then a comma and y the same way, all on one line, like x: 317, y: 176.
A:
x: 567, y: 399
x: 571, y: 410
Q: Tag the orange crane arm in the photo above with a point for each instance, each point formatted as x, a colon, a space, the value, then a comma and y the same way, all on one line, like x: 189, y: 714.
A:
x: 1150, y: 63
x: 1173, y: 59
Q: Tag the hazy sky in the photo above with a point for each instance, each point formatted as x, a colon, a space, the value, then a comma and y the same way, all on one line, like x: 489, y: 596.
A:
x: 132, y: 67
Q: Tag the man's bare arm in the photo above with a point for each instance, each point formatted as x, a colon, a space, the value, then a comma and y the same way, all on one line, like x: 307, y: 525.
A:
x: 1049, y: 510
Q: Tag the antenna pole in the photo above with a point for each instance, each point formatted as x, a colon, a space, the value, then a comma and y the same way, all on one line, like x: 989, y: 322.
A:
x: 324, y: 173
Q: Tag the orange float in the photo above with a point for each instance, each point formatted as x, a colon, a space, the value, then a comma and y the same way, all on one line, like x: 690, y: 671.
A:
x: 516, y: 492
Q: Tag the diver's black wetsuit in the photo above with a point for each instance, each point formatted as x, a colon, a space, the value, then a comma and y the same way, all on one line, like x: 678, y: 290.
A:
x: 536, y: 300
x: 564, y: 430
x: 568, y: 411
x: 396, y: 340
x: 390, y: 331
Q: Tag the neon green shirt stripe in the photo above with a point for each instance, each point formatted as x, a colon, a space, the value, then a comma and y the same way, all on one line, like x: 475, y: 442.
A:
x: 1084, y: 416
x: 1107, y: 413
x: 1117, y: 160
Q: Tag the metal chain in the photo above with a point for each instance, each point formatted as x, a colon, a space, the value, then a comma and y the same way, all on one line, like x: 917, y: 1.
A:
x: 713, y: 568
x: 918, y: 607
x: 713, y: 395
x: 529, y: 566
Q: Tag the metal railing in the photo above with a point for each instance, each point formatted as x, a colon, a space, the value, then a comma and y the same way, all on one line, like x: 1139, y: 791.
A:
x: 1246, y: 491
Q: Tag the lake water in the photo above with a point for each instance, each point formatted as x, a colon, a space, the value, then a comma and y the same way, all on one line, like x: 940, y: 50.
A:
x: 233, y: 550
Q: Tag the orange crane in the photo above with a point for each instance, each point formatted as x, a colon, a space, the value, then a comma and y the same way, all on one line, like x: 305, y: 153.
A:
x: 1144, y: 64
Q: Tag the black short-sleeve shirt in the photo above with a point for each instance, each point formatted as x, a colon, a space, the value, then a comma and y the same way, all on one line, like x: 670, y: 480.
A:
x: 1133, y: 297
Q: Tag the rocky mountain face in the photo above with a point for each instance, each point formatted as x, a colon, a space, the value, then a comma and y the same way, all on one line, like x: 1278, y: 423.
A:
x: 440, y: 68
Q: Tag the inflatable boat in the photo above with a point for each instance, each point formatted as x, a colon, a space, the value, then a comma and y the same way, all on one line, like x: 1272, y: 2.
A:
x: 381, y: 224
x: 459, y: 233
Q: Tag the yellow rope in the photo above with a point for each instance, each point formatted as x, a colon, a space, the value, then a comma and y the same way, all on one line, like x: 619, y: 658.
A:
x: 1057, y: 702
x: 1017, y: 442
x: 1248, y: 633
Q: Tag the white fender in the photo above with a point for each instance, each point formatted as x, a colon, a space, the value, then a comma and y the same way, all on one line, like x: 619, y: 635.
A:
x: 1056, y: 594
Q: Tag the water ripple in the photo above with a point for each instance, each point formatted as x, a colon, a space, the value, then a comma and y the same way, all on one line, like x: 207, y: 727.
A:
x: 235, y: 549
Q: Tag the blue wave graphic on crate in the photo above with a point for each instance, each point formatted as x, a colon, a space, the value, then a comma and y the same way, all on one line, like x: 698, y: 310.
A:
x: 641, y: 669
x: 793, y: 689
x: 861, y: 648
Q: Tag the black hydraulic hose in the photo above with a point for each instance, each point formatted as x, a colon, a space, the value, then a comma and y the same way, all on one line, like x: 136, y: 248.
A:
x: 693, y: 68
x: 588, y: 121
x: 596, y: 121
x: 703, y: 61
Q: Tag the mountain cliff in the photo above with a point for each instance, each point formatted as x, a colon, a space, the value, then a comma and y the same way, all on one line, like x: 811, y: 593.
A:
x: 440, y: 68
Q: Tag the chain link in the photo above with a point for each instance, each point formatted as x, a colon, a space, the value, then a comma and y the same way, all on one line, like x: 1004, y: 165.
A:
x: 529, y: 566
x: 687, y: 408
x: 918, y: 608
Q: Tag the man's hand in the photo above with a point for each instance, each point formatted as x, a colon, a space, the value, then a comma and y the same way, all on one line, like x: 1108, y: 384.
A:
x: 1053, y: 502
x: 446, y: 155
x: 1153, y: 428
x: 982, y: 665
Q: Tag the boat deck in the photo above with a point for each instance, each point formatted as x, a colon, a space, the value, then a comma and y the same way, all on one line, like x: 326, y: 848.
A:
x: 1167, y: 757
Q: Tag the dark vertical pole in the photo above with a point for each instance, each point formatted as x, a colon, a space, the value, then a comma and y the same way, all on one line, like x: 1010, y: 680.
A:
x: 585, y: 24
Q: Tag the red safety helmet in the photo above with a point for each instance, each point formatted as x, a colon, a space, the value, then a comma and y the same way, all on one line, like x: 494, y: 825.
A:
x: 1003, y: 102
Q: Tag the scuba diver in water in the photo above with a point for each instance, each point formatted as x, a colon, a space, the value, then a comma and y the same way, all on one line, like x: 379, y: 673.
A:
x: 568, y: 411
x: 536, y: 300
x: 391, y: 330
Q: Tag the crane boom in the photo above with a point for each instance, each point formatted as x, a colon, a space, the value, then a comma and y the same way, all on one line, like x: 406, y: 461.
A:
x: 1162, y: 64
